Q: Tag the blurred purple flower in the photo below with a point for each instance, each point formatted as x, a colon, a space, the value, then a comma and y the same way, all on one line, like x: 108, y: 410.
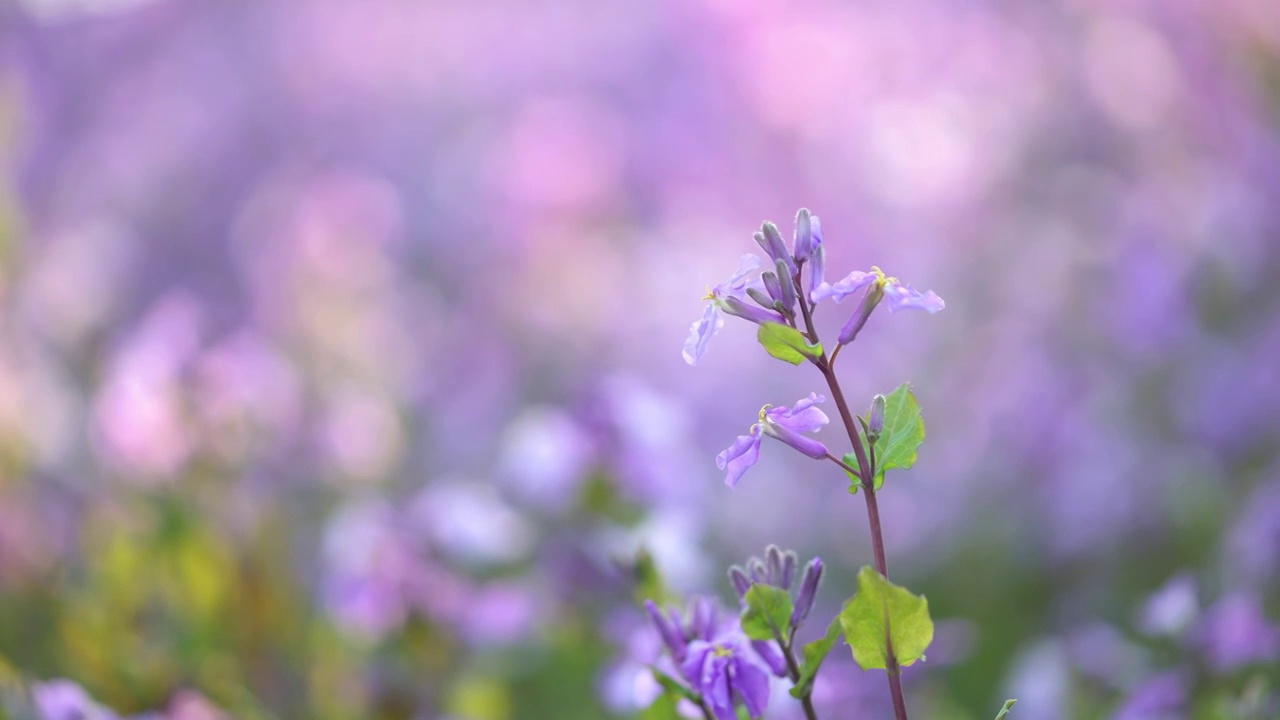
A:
x: 725, y: 297
x: 65, y: 700
x: 1235, y: 633
x: 1171, y: 609
x: 545, y: 457
x: 1161, y: 697
x: 782, y: 423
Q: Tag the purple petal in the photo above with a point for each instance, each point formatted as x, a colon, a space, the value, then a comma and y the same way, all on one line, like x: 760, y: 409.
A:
x: 771, y: 655
x: 695, y: 659
x: 841, y: 289
x: 752, y: 683
x: 742, y: 454
x: 737, y: 283
x: 905, y: 297
x: 716, y: 689
x: 803, y: 443
x: 803, y: 417
x: 701, y: 332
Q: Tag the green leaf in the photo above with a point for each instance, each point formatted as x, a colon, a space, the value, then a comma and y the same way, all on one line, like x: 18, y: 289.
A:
x: 881, y: 610
x: 674, y: 687
x: 851, y: 459
x: 787, y: 343
x: 1008, y: 705
x: 768, y: 613
x: 813, y: 654
x: 903, y: 432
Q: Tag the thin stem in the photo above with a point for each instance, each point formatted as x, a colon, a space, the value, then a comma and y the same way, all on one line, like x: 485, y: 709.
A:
x: 834, y: 354
x: 844, y: 465
x: 867, y: 473
x: 706, y: 711
x: 793, y: 669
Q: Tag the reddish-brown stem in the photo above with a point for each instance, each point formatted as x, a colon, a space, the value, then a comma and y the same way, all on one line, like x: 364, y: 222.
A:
x: 866, y: 471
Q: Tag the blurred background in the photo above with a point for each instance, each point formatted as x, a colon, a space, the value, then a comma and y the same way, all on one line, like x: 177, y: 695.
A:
x: 340, y: 367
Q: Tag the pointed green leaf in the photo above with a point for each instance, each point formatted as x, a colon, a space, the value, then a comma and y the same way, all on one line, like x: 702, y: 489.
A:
x: 1008, y: 705
x: 881, y: 610
x: 768, y: 613
x: 903, y: 431
x: 787, y: 343
x: 812, y: 656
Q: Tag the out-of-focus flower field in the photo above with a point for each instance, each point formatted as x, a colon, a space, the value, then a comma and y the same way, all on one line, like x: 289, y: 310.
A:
x: 340, y: 369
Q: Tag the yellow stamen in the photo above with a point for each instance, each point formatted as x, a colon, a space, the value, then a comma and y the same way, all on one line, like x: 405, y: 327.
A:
x: 710, y: 295
x: 721, y: 651
x: 764, y: 410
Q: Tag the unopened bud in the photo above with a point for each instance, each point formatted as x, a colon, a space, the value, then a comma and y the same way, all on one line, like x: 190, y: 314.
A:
x: 869, y: 301
x: 808, y: 592
x: 875, y: 419
x: 788, y: 570
x: 741, y: 583
x: 771, y: 241
x: 759, y: 573
x: 788, y: 287
x: 773, y: 561
x: 804, y: 235
x: 761, y: 299
x: 668, y: 630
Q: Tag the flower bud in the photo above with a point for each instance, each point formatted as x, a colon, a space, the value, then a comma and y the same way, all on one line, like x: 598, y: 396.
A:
x: 737, y: 308
x: 772, y: 285
x: 869, y: 302
x: 808, y: 591
x: 759, y: 573
x: 788, y: 287
x: 670, y: 632
x: 771, y: 241
x: 817, y: 268
x: 761, y: 299
x: 741, y: 583
x: 788, y: 570
x: 773, y: 561
x: 804, y: 235
x: 875, y: 419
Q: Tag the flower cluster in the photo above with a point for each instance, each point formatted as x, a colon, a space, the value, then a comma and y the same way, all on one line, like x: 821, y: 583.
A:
x: 775, y: 293
x: 715, y: 659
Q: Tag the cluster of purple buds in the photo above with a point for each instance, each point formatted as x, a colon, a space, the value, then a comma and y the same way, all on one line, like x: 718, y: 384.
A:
x: 779, y: 289
x: 715, y: 659
x: 778, y: 568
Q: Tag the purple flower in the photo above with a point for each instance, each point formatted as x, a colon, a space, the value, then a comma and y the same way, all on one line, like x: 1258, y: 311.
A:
x: 1160, y: 697
x: 782, y: 423
x: 726, y: 297
x: 899, y: 295
x: 726, y: 668
x: 65, y: 700
x: 1235, y: 633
